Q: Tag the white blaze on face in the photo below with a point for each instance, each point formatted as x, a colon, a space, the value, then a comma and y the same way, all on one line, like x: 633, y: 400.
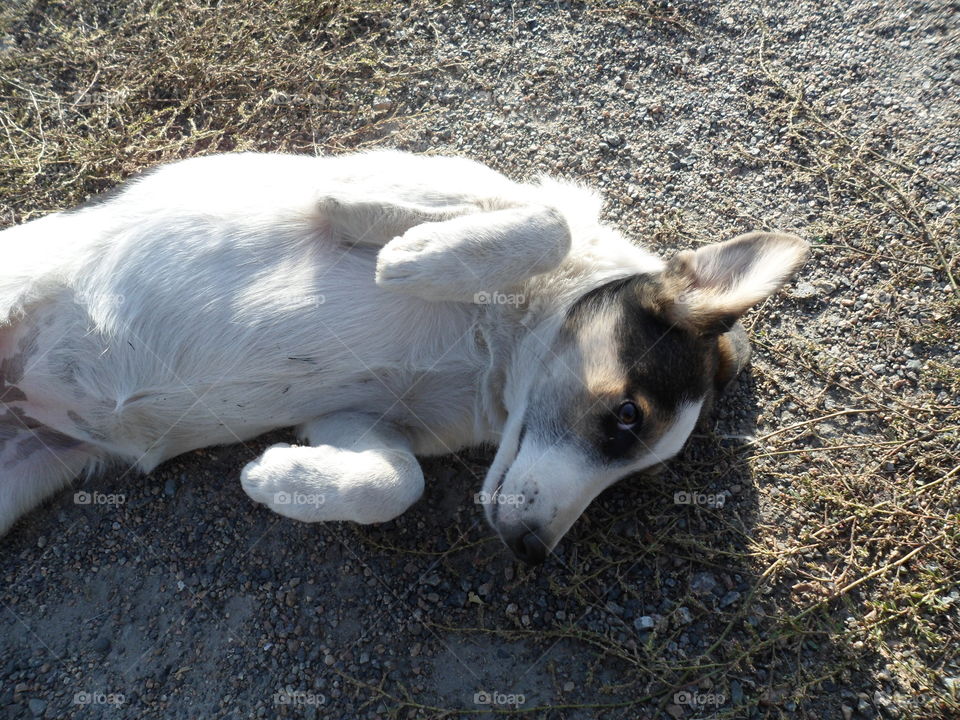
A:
x: 547, y: 488
x: 598, y: 353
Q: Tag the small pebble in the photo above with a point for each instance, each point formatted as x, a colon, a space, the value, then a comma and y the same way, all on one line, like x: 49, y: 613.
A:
x: 736, y: 692
x: 644, y: 623
x: 729, y: 599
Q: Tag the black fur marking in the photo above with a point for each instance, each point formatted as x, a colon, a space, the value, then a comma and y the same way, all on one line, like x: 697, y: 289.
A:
x: 666, y: 365
x: 7, y: 433
x: 64, y: 366
x: 13, y: 368
x: 18, y: 418
x: 665, y: 362
x: 84, y: 426
x: 11, y: 393
x: 33, y: 441
x: 23, y: 449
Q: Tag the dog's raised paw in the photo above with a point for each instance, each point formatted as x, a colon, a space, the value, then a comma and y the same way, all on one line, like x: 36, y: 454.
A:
x: 400, y: 261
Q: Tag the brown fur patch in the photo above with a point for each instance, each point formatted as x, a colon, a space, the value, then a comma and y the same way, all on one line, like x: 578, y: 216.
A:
x: 622, y: 347
x: 733, y: 353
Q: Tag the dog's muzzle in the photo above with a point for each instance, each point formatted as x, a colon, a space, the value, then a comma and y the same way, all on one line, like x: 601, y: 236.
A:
x: 527, y: 546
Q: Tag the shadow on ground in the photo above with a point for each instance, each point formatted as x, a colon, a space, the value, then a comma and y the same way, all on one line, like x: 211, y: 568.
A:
x: 159, y: 598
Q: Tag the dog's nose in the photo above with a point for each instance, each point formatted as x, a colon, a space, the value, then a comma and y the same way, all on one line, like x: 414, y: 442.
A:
x: 528, y: 547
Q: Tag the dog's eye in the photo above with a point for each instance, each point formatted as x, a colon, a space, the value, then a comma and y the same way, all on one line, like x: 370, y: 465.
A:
x: 628, y: 414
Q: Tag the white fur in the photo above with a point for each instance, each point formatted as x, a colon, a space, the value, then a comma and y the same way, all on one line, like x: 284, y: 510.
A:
x: 554, y: 475
x: 353, y: 469
x: 225, y: 296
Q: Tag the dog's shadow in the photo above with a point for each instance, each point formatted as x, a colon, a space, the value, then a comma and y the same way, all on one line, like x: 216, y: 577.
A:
x: 694, y: 514
x: 654, y: 563
x: 665, y: 559
x: 702, y: 495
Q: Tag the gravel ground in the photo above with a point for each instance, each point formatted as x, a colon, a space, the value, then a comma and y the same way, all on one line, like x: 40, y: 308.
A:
x: 815, y: 573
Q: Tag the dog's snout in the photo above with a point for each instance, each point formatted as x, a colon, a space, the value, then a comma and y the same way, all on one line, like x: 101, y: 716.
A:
x: 527, y: 546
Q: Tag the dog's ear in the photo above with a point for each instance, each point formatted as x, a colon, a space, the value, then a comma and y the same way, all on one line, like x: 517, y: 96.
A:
x: 707, y: 290
x: 733, y: 353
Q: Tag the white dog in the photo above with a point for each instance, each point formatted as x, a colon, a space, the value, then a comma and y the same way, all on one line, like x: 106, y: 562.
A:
x: 389, y: 306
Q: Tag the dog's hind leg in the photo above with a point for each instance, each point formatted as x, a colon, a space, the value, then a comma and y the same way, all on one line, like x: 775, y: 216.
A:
x: 35, y: 462
x: 355, y: 468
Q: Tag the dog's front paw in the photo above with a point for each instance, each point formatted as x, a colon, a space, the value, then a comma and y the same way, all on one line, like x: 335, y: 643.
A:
x: 402, y: 262
x: 264, y: 478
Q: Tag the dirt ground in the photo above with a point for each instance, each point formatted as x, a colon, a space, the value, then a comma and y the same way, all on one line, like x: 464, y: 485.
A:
x: 808, y: 569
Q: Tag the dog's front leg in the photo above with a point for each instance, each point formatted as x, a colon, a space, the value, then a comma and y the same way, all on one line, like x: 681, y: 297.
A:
x: 355, y: 468
x: 466, y: 258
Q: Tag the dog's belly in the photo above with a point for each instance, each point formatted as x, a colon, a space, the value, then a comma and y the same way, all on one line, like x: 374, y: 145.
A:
x: 152, y: 363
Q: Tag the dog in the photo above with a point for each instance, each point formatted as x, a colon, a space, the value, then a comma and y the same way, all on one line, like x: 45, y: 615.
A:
x: 385, y: 304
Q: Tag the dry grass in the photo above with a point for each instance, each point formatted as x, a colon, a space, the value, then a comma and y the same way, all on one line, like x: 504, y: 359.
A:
x: 99, y: 91
x: 880, y: 563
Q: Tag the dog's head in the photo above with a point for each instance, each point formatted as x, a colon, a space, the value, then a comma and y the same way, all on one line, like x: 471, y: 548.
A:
x: 620, y: 384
